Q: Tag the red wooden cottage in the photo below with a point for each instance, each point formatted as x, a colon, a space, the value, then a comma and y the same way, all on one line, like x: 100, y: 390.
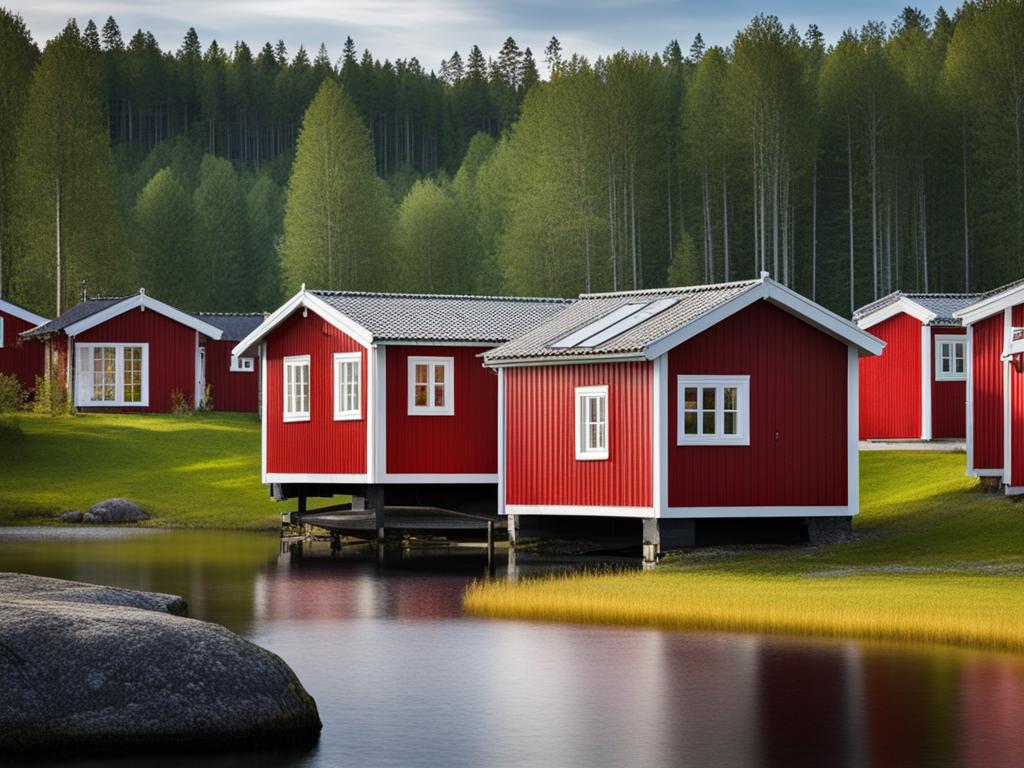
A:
x: 233, y: 382
x: 917, y: 390
x: 673, y: 405
x: 383, y: 396
x: 131, y: 354
x: 16, y: 357
x: 995, y: 386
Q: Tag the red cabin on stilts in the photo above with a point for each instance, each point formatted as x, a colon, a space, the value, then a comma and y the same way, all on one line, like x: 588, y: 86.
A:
x: 917, y: 390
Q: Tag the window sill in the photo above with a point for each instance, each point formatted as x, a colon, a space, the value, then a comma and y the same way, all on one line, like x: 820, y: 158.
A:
x: 348, y: 416
x: 426, y: 412
x: 110, y: 404
x: 301, y: 417
x: 958, y: 377
x: 592, y: 456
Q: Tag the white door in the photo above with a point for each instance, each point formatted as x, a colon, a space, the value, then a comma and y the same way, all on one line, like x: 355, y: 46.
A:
x: 200, y: 375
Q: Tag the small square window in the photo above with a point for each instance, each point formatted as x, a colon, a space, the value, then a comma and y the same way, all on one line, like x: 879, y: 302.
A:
x: 348, y: 386
x: 950, y: 358
x: 296, y: 388
x: 713, y: 410
x: 431, y: 386
x: 591, y: 423
x: 242, y: 364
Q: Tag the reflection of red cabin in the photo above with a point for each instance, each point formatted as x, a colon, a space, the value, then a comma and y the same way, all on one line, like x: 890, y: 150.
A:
x: 917, y: 390
x: 995, y: 386
x: 368, y: 390
x: 732, y: 400
x: 134, y: 353
x: 16, y: 357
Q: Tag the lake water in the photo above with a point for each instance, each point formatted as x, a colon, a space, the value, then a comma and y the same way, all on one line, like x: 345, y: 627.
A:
x: 402, y: 678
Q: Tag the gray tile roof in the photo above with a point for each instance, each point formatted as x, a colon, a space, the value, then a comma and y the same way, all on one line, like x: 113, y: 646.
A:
x: 943, y: 305
x: 692, y: 302
x: 73, y: 315
x: 425, y: 317
x: 236, y: 325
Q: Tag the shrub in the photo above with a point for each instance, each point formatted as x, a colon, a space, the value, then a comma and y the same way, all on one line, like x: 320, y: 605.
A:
x: 180, y: 405
x: 51, y: 397
x: 12, y: 396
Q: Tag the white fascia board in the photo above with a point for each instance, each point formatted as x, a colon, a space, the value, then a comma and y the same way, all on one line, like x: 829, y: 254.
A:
x: 533, y: 362
x: 305, y: 300
x: 674, y: 338
x: 991, y: 305
x: 142, y: 301
x: 21, y: 313
x: 717, y: 512
x: 902, y: 306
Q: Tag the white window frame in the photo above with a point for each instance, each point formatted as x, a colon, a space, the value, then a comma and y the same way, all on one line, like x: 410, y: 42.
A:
x: 942, y: 340
x: 448, y: 409
x: 341, y: 361
x: 1, y: 331
x: 742, y: 384
x: 287, y: 364
x: 85, y: 351
x: 243, y: 364
x: 585, y: 452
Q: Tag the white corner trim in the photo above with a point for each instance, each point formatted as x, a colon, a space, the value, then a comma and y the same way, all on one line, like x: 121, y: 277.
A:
x: 949, y: 338
x: 302, y: 477
x: 659, y: 435
x: 263, y: 414
x: 304, y: 299
x: 926, y: 382
x: 903, y: 306
x: 969, y: 403
x: 144, y: 302
x: 501, y: 441
x: 21, y: 313
x: 991, y: 305
x: 578, y: 510
x: 1007, y: 399
x: 780, y: 511
x: 371, y: 412
x: 448, y: 365
x: 852, y: 431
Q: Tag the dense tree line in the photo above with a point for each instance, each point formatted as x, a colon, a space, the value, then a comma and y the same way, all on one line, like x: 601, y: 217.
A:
x: 222, y: 178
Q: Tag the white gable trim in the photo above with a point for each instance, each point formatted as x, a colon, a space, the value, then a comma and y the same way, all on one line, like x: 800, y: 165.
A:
x: 991, y: 305
x: 903, y: 306
x: 782, y: 297
x: 21, y: 313
x: 144, y: 302
x: 305, y: 300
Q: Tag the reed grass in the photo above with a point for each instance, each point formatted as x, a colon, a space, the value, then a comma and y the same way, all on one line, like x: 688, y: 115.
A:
x: 934, y: 561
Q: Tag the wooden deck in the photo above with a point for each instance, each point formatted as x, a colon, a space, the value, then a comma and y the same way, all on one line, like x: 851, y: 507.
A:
x: 401, y: 520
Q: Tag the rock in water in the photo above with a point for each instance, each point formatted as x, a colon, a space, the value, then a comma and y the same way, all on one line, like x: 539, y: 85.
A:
x: 115, y: 511
x: 89, y: 668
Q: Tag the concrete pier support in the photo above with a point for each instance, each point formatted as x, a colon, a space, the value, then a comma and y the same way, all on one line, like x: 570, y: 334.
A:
x: 651, y: 540
x: 375, y: 503
x: 513, y: 529
x: 666, y: 535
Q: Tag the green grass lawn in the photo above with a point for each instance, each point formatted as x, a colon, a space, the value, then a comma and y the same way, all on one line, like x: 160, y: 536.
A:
x: 933, y: 559
x: 197, y: 471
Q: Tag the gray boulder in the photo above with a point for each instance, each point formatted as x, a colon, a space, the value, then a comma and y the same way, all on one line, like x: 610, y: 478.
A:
x: 115, y: 511
x: 71, y: 516
x: 96, y: 669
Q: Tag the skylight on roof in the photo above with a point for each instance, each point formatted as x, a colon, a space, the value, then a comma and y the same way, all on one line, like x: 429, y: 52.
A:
x: 613, y: 324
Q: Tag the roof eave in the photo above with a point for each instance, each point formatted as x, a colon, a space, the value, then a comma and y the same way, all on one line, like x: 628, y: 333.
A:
x: 990, y: 305
x: 542, y: 360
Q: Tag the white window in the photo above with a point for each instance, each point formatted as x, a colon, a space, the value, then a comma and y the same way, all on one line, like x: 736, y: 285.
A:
x: 296, y: 388
x: 713, y: 410
x: 431, y: 388
x: 242, y: 364
x: 112, y: 375
x: 591, y: 423
x: 950, y: 358
x: 347, y: 393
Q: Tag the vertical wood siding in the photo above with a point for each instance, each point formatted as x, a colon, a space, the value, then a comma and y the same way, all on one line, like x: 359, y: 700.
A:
x: 890, y: 383
x: 320, y: 445
x: 465, y: 442
x: 24, y: 359
x: 949, y: 398
x: 1017, y: 413
x: 987, y: 376
x: 541, y: 441
x: 172, y: 354
x: 231, y: 390
x: 798, y: 405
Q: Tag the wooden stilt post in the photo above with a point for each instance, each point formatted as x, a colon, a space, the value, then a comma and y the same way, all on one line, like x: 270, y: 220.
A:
x: 375, y: 501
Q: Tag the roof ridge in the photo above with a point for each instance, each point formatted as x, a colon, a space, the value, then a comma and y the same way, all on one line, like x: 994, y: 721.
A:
x: 230, y: 314
x: 461, y: 296
x: 671, y: 289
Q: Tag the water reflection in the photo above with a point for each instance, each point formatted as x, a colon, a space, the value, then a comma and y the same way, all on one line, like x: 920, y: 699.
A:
x: 403, y: 679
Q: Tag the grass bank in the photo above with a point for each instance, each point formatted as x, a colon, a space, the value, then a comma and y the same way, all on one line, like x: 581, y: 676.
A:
x: 933, y: 560
x: 198, y: 471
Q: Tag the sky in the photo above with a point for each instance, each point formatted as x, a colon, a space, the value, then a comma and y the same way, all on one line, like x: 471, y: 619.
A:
x: 431, y: 29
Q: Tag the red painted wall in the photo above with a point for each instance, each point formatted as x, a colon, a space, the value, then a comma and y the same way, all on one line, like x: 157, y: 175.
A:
x: 541, y: 464
x: 949, y: 398
x: 890, y: 383
x: 320, y: 445
x: 463, y: 443
x: 22, y: 359
x: 172, y: 354
x: 987, y: 378
x: 798, y: 383
x: 231, y: 390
